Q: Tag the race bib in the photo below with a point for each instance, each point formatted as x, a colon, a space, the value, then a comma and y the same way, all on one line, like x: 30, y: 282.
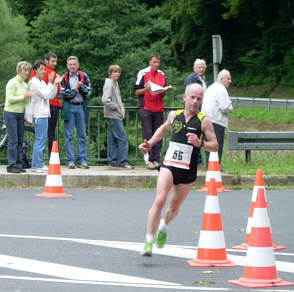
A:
x: 178, y: 155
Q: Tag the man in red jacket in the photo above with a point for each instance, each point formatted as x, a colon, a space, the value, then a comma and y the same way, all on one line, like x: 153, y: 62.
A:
x: 50, y: 60
x: 151, y: 106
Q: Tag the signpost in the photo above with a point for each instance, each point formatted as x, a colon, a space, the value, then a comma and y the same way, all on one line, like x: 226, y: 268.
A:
x: 217, y: 51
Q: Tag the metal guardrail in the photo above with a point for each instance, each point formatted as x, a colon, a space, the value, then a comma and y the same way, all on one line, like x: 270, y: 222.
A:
x: 263, y: 102
x: 268, y: 140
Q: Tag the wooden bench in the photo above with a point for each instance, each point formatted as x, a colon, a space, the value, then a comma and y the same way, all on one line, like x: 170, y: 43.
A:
x: 260, y: 141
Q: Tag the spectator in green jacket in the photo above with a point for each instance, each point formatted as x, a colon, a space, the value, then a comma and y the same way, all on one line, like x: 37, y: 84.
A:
x: 17, y: 95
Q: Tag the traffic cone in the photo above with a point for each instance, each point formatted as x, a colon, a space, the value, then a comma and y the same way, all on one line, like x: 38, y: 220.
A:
x: 260, y: 270
x: 53, y: 185
x: 211, y: 246
x: 213, y: 171
x: 258, y: 184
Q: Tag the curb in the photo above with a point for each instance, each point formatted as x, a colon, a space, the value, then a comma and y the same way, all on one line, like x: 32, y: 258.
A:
x: 140, y: 177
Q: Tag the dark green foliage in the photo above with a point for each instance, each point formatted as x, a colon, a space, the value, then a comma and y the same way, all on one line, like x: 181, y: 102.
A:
x: 29, y: 9
x: 14, y: 45
x: 102, y: 33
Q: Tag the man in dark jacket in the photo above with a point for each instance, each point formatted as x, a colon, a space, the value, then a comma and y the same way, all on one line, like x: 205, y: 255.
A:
x: 75, y: 88
x: 198, y: 75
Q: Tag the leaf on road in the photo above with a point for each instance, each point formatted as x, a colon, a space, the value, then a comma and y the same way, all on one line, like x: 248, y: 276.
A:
x: 210, y: 272
x: 242, y: 229
x: 203, y: 282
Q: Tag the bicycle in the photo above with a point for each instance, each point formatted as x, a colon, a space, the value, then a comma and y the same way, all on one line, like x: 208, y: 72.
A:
x: 27, y: 146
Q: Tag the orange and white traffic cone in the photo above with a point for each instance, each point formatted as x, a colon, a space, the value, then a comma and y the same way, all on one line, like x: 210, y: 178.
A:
x: 213, y: 171
x: 260, y: 270
x: 53, y: 185
x: 211, y: 246
x: 258, y: 184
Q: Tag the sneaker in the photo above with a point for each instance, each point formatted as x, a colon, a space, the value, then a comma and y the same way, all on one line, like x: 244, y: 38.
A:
x: 45, y: 168
x: 147, y: 250
x: 38, y: 169
x: 83, y: 165
x: 128, y: 166
x: 21, y: 169
x: 156, y: 164
x: 71, y: 165
x: 150, y: 166
x: 13, y: 169
x: 113, y: 167
x: 161, y: 239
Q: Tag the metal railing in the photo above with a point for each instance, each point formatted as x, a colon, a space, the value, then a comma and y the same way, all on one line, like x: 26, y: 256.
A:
x: 96, y: 136
x: 97, y: 128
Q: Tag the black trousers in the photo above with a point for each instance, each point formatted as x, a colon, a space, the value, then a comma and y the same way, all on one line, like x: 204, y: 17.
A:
x: 151, y: 121
x: 220, y: 135
x: 52, y: 122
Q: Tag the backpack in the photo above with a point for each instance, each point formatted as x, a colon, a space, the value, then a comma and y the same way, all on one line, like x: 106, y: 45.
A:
x: 81, y: 77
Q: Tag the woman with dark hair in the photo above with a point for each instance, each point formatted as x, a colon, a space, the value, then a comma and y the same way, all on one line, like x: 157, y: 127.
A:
x: 17, y: 95
x: 41, y: 111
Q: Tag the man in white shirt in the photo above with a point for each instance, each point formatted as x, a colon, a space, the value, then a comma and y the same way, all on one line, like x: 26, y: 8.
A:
x: 216, y: 105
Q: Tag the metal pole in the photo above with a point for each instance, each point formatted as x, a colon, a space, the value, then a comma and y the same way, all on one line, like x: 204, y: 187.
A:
x: 214, y: 55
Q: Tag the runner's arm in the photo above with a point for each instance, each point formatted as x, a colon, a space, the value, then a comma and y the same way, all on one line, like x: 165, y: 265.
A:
x: 210, y: 144
x: 159, y: 134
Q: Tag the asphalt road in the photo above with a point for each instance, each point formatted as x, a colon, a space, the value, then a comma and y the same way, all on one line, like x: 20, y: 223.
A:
x: 91, y: 242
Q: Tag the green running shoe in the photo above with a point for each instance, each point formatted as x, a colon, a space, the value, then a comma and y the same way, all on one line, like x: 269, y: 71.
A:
x: 160, y: 239
x: 147, y: 251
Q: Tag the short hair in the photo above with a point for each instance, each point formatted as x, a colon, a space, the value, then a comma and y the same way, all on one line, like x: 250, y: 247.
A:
x: 222, y: 74
x: 23, y: 65
x: 50, y: 55
x: 199, y: 61
x: 154, y: 55
x: 72, y: 58
x: 113, y: 68
x: 38, y: 63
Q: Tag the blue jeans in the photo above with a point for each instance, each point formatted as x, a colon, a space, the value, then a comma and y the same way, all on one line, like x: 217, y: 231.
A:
x: 41, y: 127
x: 117, y: 150
x: 15, y: 128
x: 77, y: 118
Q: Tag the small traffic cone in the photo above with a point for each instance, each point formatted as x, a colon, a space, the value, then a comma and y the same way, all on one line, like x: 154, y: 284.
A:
x: 211, y: 246
x: 53, y: 185
x: 260, y: 270
x: 213, y: 171
x: 258, y: 184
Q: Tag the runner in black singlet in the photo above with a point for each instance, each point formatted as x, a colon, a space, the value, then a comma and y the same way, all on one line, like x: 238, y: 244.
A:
x: 180, y: 163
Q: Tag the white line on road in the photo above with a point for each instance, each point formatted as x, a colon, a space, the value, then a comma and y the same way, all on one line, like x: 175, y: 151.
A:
x: 71, y: 272
x: 188, y: 252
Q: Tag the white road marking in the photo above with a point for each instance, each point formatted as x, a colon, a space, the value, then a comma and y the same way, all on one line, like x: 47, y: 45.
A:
x: 78, y: 275
x: 74, y: 273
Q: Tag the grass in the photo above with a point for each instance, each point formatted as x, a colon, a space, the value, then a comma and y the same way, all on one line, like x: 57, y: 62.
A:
x: 270, y: 161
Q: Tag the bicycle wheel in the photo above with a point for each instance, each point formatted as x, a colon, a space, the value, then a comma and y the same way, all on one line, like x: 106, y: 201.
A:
x: 27, y: 146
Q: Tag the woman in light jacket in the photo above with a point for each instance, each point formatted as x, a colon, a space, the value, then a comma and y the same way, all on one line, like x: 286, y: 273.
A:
x: 41, y: 111
x: 114, y: 112
x: 17, y: 96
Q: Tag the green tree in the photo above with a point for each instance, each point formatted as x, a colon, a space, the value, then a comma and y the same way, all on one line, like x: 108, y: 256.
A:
x: 257, y: 36
x: 14, y: 45
x: 102, y: 33
x: 29, y: 9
